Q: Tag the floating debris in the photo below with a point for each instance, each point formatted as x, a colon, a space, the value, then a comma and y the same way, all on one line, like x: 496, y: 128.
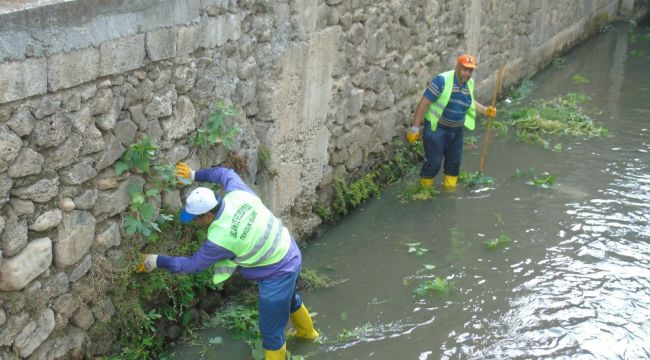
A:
x: 474, y: 179
x: 494, y: 243
x: 580, y: 79
x: 416, y: 247
x: 438, y: 285
x: 544, y: 179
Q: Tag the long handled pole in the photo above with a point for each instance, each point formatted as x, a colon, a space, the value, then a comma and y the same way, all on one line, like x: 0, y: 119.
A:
x: 495, y: 94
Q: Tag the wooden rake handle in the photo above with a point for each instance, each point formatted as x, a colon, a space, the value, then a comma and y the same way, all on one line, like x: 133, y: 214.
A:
x: 495, y: 95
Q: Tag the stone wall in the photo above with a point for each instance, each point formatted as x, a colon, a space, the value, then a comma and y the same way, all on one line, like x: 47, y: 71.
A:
x: 325, y: 85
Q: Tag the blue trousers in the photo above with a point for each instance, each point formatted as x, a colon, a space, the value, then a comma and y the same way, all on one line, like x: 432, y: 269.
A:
x: 444, y: 142
x: 278, y: 299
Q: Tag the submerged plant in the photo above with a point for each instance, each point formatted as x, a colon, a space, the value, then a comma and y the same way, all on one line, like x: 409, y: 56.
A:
x: 316, y: 280
x: 494, y: 243
x: 416, y: 248
x: 438, y: 285
x: 474, y: 179
x: 579, y: 79
x: 544, y: 179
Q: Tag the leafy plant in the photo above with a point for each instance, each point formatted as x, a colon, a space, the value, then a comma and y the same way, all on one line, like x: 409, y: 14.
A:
x: 438, y: 285
x: 138, y: 155
x: 215, y: 130
x: 543, y: 180
x: 240, y: 320
x: 494, y: 243
x: 416, y: 248
x: 141, y: 217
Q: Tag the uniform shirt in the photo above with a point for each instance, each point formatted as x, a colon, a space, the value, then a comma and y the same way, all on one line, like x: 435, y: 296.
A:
x: 459, y: 101
x: 210, y: 253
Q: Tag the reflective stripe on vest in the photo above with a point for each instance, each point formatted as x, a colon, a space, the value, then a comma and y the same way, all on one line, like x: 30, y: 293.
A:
x: 438, y: 107
x: 250, y: 231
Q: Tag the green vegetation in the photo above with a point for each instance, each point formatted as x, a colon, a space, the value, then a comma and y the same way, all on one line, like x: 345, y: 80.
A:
x: 264, y: 162
x: 147, y: 303
x: 315, y: 280
x: 399, y: 162
x: 542, y: 180
x: 417, y: 192
x: 559, y: 62
x: 137, y: 156
x: 438, y: 285
x: 561, y: 116
x: 215, y: 131
x: 526, y: 88
x: 358, y: 333
x: 579, y: 79
x: 474, y: 179
x: 494, y: 243
x: 416, y: 248
x: 469, y: 142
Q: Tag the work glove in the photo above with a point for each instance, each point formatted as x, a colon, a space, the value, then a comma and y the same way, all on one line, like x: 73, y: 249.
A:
x: 184, y: 171
x: 147, y: 263
x: 491, y: 111
x: 413, y: 134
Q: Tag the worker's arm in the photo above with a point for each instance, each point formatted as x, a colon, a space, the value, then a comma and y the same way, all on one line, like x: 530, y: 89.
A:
x: 489, y: 111
x: 207, y: 255
x: 431, y: 94
x: 227, y: 178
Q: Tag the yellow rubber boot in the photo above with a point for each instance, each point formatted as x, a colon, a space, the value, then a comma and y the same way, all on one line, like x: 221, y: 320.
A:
x: 304, y: 326
x: 450, y: 182
x: 426, y: 183
x: 280, y: 354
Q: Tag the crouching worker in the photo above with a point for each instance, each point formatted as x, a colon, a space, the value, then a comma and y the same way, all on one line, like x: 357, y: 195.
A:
x: 244, y: 235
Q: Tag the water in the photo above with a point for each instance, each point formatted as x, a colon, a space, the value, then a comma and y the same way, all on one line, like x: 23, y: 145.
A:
x: 573, y: 283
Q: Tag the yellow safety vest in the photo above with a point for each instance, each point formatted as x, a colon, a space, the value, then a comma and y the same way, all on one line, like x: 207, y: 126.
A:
x: 250, y: 231
x: 438, y: 107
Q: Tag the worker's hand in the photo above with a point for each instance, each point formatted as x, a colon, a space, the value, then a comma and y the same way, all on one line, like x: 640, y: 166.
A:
x: 491, y: 111
x: 147, y: 263
x: 413, y: 134
x: 185, y: 172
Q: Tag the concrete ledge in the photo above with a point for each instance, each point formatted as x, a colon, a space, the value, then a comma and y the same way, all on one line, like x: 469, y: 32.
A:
x: 19, y: 80
x: 66, y: 70
x: 121, y: 55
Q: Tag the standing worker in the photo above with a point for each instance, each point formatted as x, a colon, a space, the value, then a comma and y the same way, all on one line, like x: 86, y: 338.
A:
x: 244, y: 235
x: 447, y: 105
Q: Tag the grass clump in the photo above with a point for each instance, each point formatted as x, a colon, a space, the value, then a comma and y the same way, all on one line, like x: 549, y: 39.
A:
x: 579, y: 79
x: 561, y: 116
x: 475, y: 179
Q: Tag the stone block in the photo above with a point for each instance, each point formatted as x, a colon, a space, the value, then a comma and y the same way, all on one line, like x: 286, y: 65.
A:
x: 187, y: 40
x: 121, y: 55
x: 33, y: 335
x: 161, y: 44
x: 47, y: 220
x: 81, y: 268
x: 83, y: 318
x: 22, y: 79
x: 21, y: 269
x: 41, y: 191
x: 28, y: 162
x: 10, y: 145
x: 76, y: 234
x: 108, y: 236
x: 66, y: 70
x: 5, y: 186
x: 217, y: 31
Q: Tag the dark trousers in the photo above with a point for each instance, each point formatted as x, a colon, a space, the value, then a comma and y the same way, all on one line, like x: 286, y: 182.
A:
x: 444, y: 142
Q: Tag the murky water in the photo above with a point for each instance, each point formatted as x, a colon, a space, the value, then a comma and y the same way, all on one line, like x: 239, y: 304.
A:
x: 573, y: 283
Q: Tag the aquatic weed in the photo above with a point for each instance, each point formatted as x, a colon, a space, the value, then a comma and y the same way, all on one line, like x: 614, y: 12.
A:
x: 474, y: 179
x: 438, y: 285
x: 417, y: 192
x: 494, y: 243
x: 579, y: 79
x: 417, y: 248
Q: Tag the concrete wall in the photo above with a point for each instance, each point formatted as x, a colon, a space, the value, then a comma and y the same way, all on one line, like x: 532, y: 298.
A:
x: 326, y: 85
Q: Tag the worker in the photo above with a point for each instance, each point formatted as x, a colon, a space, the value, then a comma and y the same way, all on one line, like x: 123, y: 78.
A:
x: 243, y: 235
x: 447, y: 105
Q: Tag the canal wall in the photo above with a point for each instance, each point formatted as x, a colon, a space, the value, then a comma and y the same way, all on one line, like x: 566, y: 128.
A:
x: 323, y: 88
